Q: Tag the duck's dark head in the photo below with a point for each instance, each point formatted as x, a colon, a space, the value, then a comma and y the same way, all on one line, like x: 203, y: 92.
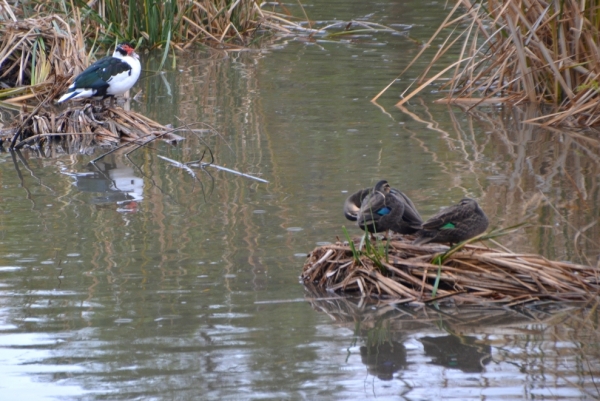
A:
x: 383, y: 187
x: 354, y: 202
x: 468, y: 203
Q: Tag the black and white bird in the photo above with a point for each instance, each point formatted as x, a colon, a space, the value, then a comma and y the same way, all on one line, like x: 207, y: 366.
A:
x: 108, y: 77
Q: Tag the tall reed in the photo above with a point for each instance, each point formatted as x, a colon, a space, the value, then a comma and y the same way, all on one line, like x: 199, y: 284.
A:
x: 523, y: 50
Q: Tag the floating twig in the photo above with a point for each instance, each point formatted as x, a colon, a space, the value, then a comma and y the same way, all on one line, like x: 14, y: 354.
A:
x: 177, y: 164
x: 232, y: 171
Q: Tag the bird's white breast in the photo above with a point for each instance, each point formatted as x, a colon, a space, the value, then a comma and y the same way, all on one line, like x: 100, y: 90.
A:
x: 121, y: 83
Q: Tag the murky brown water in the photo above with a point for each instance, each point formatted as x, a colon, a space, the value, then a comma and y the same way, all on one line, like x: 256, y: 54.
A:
x: 138, y: 280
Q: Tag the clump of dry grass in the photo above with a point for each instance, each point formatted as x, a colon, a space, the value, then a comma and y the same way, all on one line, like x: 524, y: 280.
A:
x: 35, y: 53
x: 524, y: 50
x: 467, y: 275
x: 104, y: 125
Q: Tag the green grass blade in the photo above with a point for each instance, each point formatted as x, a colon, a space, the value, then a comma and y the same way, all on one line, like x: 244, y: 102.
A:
x: 437, y: 261
x: 166, y: 52
x: 355, y: 253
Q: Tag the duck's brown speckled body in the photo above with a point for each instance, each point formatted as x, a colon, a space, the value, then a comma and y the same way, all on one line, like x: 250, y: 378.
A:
x: 454, y: 224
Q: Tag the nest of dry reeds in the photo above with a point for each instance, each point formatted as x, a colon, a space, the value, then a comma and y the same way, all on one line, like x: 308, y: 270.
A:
x: 466, y: 274
x: 103, y: 125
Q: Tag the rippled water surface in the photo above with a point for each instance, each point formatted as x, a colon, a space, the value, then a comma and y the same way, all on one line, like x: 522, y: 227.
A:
x: 136, y: 279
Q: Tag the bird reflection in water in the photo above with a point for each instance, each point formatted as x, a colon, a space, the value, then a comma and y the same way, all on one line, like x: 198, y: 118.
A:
x: 463, y: 352
x: 384, y: 359
x: 114, y: 181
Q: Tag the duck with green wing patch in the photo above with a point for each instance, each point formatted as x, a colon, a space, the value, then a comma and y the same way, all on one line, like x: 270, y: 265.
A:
x: 454, y: 224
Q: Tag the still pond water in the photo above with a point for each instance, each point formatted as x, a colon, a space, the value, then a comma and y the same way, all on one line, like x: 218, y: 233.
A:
x: 137, y: 280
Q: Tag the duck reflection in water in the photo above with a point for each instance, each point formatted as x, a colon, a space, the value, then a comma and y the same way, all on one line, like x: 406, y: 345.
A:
x: 385, y: 359
x: 114, y: 181
x: 463, y: 352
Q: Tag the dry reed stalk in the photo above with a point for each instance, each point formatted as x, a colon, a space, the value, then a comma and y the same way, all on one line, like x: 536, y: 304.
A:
x: 473, y: 274
x: 524, y: 50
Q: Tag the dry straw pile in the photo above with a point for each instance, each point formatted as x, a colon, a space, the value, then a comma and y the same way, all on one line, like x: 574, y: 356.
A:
x: 471, y: 274
x: 86, y: 124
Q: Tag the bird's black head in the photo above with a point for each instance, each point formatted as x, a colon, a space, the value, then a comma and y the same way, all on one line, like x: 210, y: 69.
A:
x: 125, y: 49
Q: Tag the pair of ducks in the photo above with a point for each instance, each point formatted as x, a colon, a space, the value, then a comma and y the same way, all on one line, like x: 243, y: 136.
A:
x: 384, y: 208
